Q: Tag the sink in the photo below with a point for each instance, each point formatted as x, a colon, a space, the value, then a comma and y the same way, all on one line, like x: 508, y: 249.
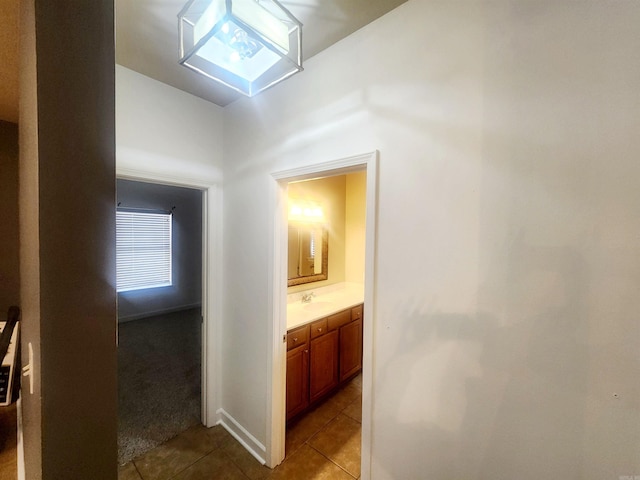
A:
x: 313, y: 306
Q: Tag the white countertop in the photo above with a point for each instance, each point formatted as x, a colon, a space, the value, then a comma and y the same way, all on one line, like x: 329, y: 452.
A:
x: 327, y: 301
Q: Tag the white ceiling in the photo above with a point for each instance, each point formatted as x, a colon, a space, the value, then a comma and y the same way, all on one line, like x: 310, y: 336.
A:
x: 147, y: 41
x: 147, y: 37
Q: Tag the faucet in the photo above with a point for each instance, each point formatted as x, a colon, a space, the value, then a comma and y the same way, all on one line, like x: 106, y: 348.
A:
x: 306, y: 297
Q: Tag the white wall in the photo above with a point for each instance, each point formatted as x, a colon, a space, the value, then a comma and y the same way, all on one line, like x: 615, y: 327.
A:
x: 505, y: 324
x: 169, y: 136
x: 67, y: 240
x: 355, y: 226
x: 165, y: 132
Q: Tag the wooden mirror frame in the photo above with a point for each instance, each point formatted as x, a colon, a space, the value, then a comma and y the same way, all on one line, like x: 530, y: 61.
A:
x: 325, y: 265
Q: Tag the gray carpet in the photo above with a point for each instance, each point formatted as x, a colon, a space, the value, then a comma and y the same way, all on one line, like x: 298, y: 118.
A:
x: 159, y: 362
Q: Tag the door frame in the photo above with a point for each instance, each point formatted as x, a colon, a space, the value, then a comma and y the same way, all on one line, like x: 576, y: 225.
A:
x: 211, y: 281
x: 276, y: 384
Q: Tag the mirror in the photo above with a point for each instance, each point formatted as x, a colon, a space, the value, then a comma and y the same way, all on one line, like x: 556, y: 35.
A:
x: 308, y: 254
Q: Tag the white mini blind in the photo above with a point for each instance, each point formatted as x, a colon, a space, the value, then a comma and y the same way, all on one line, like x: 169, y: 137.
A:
x: 143, y: 250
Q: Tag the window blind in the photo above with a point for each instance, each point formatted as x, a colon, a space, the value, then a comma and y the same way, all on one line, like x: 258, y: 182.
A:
x: 143, y: 250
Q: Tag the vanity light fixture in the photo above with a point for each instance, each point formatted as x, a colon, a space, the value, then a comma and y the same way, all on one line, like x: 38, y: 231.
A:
x: 306, y: 212
x: 247, y: 45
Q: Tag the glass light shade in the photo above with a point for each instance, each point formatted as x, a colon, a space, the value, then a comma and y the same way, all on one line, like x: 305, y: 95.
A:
x: 247, y: 45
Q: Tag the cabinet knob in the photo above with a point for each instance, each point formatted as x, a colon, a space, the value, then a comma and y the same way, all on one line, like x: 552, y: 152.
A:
x: 295, y: 339
x: 320, y: 329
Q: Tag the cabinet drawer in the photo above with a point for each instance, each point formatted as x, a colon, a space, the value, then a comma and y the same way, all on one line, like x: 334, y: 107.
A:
x: 356, y: 312
x: 297, y: 337
x: 318, y: 328
x: 339, y: 319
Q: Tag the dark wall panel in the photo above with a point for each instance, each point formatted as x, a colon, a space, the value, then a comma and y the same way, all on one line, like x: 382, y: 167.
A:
x: 9, y: 227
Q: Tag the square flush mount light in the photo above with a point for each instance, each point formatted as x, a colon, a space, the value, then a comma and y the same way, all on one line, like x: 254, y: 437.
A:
x: 247, y: 45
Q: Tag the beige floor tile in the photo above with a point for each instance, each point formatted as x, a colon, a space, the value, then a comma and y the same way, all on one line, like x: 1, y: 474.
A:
x: 354, y: 409
x: 340, y: 441
x: 208, y: 438
x: 357, y: 381
x: 330, y: 409
x: 166, y: 460
x: 246, y: 462
x: 308, y: 464
x: 216, y: 465
x: 128, y: 472
x: 323, y: 445
x: 305, y: 428
x: 343, y: 397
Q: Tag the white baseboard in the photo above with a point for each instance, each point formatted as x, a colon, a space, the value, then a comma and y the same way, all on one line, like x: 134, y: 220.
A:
x: 248, y: 441
x: 154, y: 313
x: 20, y: 454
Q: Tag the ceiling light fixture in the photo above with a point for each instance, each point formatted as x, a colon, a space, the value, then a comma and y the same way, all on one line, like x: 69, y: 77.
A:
x: 247, y: 45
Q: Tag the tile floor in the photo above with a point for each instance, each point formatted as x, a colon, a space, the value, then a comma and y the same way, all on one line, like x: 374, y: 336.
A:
x: 324, y: 444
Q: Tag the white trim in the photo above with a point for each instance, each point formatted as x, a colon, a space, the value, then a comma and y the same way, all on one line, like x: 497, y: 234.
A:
x: 276, y: 329
x: 370, y: 295
x: 334, y: 167
x: 144, y: 176
x: 21, y: 475
x: 276, y: 361
x: 211, y: 280
x: 237, y: 431
x: 211, y: 304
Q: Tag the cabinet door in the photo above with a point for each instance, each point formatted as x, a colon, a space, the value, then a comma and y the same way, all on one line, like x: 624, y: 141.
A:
x: 350, y: 349
x: 323, y: 371
x: 297, y: 380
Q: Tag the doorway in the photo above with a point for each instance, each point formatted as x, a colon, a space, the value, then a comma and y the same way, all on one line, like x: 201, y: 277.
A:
x: 159, y: 257
x: 211, y: 281
x: 327, y: 422
x: 276, y: 427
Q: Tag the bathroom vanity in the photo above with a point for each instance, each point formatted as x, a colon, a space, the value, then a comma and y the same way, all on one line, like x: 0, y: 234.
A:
x: 323, y: 352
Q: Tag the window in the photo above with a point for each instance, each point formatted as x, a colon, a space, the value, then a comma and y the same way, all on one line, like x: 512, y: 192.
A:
x: 143, y: 249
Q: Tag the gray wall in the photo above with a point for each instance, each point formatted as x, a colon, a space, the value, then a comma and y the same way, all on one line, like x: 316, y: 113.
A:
x: 9, y: 235
x: 67, y: 238
x: 186, y: 290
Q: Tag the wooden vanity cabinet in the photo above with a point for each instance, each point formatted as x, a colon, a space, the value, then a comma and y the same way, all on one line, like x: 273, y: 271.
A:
x: 297, y: 371
x: 321, y: 356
